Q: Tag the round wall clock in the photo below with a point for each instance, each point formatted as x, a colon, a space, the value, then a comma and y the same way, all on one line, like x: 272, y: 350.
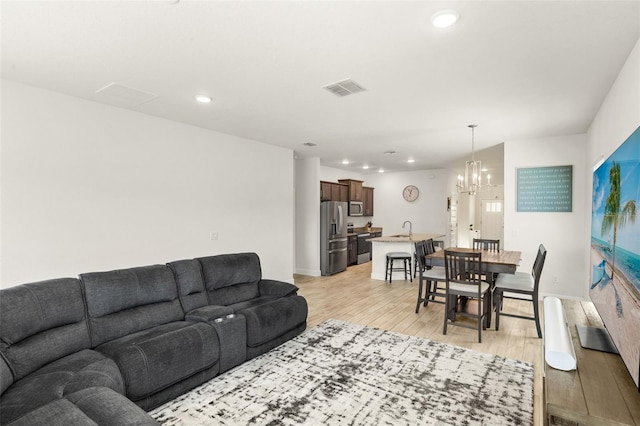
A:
x: 410, y: 193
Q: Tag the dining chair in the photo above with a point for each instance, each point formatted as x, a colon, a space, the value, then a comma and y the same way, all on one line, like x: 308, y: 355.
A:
x: 525, y: 285
x: 420, y: 250
x: 429, y: 275
x: 486, y: 244
x: 463, y: 271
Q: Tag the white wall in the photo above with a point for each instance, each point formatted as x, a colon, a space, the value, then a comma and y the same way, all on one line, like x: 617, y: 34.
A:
x: 617, y: 118
x: 307, y: 251
x: 565, y: 269
x: 331, y: 174
x: 470, y: 214
x: 567, y: 235
x: 89, y: 187
x: 428, y: 213
x: 619, y: 114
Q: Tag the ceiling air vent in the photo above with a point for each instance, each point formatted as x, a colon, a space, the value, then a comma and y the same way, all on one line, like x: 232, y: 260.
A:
x: 344, y: 88
x: 115, y: 90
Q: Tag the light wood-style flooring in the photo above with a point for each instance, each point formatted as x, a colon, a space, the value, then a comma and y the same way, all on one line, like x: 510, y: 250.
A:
x: 353, y: 296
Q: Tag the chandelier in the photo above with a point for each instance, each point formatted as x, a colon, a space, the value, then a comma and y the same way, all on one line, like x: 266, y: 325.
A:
x: 471, y: 182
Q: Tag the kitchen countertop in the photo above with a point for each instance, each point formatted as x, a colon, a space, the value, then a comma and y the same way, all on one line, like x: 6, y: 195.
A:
x: 361, y: 230
x: 404, y: 238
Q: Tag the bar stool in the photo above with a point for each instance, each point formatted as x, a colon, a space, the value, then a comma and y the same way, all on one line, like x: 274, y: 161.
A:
x: 398, y: 255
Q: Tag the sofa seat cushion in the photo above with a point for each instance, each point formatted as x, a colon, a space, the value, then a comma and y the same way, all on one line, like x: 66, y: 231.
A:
x: 92, y: 406
x: 67, y: 375
x: 154, y: 359
x: 252, y: 303
x: 268, y: 318
x: 208, y: 313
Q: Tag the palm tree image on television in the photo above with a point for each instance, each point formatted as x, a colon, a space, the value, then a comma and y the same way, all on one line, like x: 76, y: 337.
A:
x: 615, y: 250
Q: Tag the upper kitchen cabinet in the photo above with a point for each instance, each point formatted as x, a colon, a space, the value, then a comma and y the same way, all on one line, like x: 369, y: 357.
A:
x: 367, y: 201
x: 325, y: 191
x: 339, y: 192
x: 330, y: 191
x: 355, y: 189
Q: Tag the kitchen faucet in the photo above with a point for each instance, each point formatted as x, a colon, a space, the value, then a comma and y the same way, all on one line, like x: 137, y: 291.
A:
x: 410, y: 228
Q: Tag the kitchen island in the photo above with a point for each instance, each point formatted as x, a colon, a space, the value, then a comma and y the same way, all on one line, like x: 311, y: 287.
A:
x: 380, y: 246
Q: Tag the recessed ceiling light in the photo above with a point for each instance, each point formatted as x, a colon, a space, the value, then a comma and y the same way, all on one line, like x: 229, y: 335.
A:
x: 345, y: 161
x: 444, y: 18
x: 203, y: 98
x: 365, y: 167
x: 381, y: 171
x: 411, y: 160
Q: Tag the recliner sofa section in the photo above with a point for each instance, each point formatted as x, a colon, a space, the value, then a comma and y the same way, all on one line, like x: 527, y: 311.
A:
x: 136, y: 319
x: 216, y: 289
x: 46, y: 355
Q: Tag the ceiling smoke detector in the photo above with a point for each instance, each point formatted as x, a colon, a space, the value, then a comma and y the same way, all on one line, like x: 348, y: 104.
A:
x: 344, y: 88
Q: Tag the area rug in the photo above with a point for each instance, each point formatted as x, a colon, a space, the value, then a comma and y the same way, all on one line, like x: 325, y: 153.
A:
x: 339, y: 373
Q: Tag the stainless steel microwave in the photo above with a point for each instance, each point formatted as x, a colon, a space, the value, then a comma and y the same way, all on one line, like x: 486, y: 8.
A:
x: 356, y: 208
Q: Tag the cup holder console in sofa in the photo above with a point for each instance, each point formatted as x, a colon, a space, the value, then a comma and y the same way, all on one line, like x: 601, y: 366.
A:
x: 104, y: 348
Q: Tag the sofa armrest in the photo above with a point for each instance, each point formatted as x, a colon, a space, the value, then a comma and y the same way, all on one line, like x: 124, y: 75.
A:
x: 208, y: 313
x: 276, y: 288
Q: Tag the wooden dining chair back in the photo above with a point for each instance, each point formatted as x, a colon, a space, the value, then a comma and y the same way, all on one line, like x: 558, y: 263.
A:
x: 486, y: 244
x: 525, y: 285
x: 429, y: 275
x: 463, y: 272
x: 420, y: 252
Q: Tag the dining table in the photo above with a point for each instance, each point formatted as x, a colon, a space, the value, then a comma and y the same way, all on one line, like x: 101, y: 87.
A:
x: 493, y: 262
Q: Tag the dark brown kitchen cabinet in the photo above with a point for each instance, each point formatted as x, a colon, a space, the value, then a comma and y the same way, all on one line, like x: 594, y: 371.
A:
x: 344, y: 192
x: 355, y: 188
x: 326, y: 190
x: 339, y: 192
x: 330, y: 191
x: 352, y: 249
x: 367, y: 201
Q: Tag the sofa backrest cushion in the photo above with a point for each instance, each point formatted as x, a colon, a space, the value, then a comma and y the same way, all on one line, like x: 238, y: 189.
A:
x: 6, y: 376
x: 231, y: 278
x: 125, y: 301
x: 41, y: 322
x: 191, y: 290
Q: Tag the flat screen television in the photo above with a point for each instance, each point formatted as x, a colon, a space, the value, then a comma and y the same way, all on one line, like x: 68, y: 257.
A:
x: 615, y: 249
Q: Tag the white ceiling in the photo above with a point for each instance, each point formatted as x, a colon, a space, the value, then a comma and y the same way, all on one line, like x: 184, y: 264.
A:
x: 518, y: 69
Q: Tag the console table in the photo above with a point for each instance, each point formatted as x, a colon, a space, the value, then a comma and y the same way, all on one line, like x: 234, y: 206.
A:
x: 600, y: 392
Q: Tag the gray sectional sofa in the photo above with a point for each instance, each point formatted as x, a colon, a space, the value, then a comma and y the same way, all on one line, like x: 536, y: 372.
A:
x: 103, y: 348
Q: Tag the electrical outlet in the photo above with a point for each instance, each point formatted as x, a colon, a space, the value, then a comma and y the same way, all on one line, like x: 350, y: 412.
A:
x: 213, y: 236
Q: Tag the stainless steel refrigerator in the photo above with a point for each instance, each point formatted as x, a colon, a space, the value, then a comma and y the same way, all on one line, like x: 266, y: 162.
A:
x: 333, y: 237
